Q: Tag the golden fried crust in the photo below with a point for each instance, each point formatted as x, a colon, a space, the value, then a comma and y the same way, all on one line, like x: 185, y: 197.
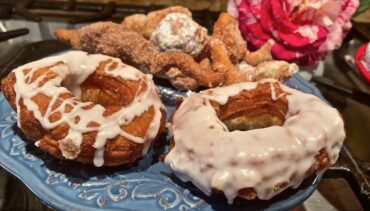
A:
x: 33, y: 128
x: 255, y: 109
x: 226, y: 29
x: 146, y: 24
x: 273, y: 69
x: 97, y: 89
x: 69, y: 36
x: 221, y: 62
x: 136, y: 22
x: 205, y: 75
x: 8, y: 90
x: 261, y: 55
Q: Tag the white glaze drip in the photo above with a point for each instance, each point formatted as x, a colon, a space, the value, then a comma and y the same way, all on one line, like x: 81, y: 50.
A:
x: 211, y: 157
x: 273, y: 93
x: 76, y: 66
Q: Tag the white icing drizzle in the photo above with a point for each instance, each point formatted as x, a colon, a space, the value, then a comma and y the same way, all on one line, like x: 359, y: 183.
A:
x: 76, y: 66
x: 210, y: 156
x: 273, y: 93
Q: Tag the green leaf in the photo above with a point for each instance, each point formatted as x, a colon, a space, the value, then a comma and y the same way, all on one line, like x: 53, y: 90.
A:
x: 364, y: 5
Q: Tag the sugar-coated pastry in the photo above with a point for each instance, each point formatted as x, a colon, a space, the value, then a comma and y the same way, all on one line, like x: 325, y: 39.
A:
x: 180, y: 50
x: 146, y: 24
x: 178, y: 32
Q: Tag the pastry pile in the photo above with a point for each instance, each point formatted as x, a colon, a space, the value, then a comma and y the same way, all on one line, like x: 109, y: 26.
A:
x: 169, y: 44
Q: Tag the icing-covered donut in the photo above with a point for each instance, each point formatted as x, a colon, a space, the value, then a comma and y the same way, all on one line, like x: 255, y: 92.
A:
x: 87, y: 108
x: 253, y: 139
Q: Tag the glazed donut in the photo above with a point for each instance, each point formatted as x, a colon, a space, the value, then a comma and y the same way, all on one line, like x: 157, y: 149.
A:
x: 253, y: 139
x: 89, y: 108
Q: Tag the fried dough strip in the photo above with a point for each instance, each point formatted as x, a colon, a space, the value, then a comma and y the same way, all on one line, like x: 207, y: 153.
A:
x: 226, y: 29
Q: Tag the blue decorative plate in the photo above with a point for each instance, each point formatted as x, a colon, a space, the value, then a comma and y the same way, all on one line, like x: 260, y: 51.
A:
x: 149, y: 184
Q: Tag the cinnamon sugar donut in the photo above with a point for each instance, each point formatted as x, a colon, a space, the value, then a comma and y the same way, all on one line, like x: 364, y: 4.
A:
x: 253, y: 139
x: 87, y: 108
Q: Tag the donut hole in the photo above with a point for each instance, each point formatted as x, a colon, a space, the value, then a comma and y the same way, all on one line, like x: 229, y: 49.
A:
x: 253, y: 109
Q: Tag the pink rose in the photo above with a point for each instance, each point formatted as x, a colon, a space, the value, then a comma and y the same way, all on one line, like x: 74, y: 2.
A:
x: 302, y: 31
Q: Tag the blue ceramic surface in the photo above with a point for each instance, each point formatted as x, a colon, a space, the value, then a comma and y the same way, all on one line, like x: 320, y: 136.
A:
x: 149, y: 184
